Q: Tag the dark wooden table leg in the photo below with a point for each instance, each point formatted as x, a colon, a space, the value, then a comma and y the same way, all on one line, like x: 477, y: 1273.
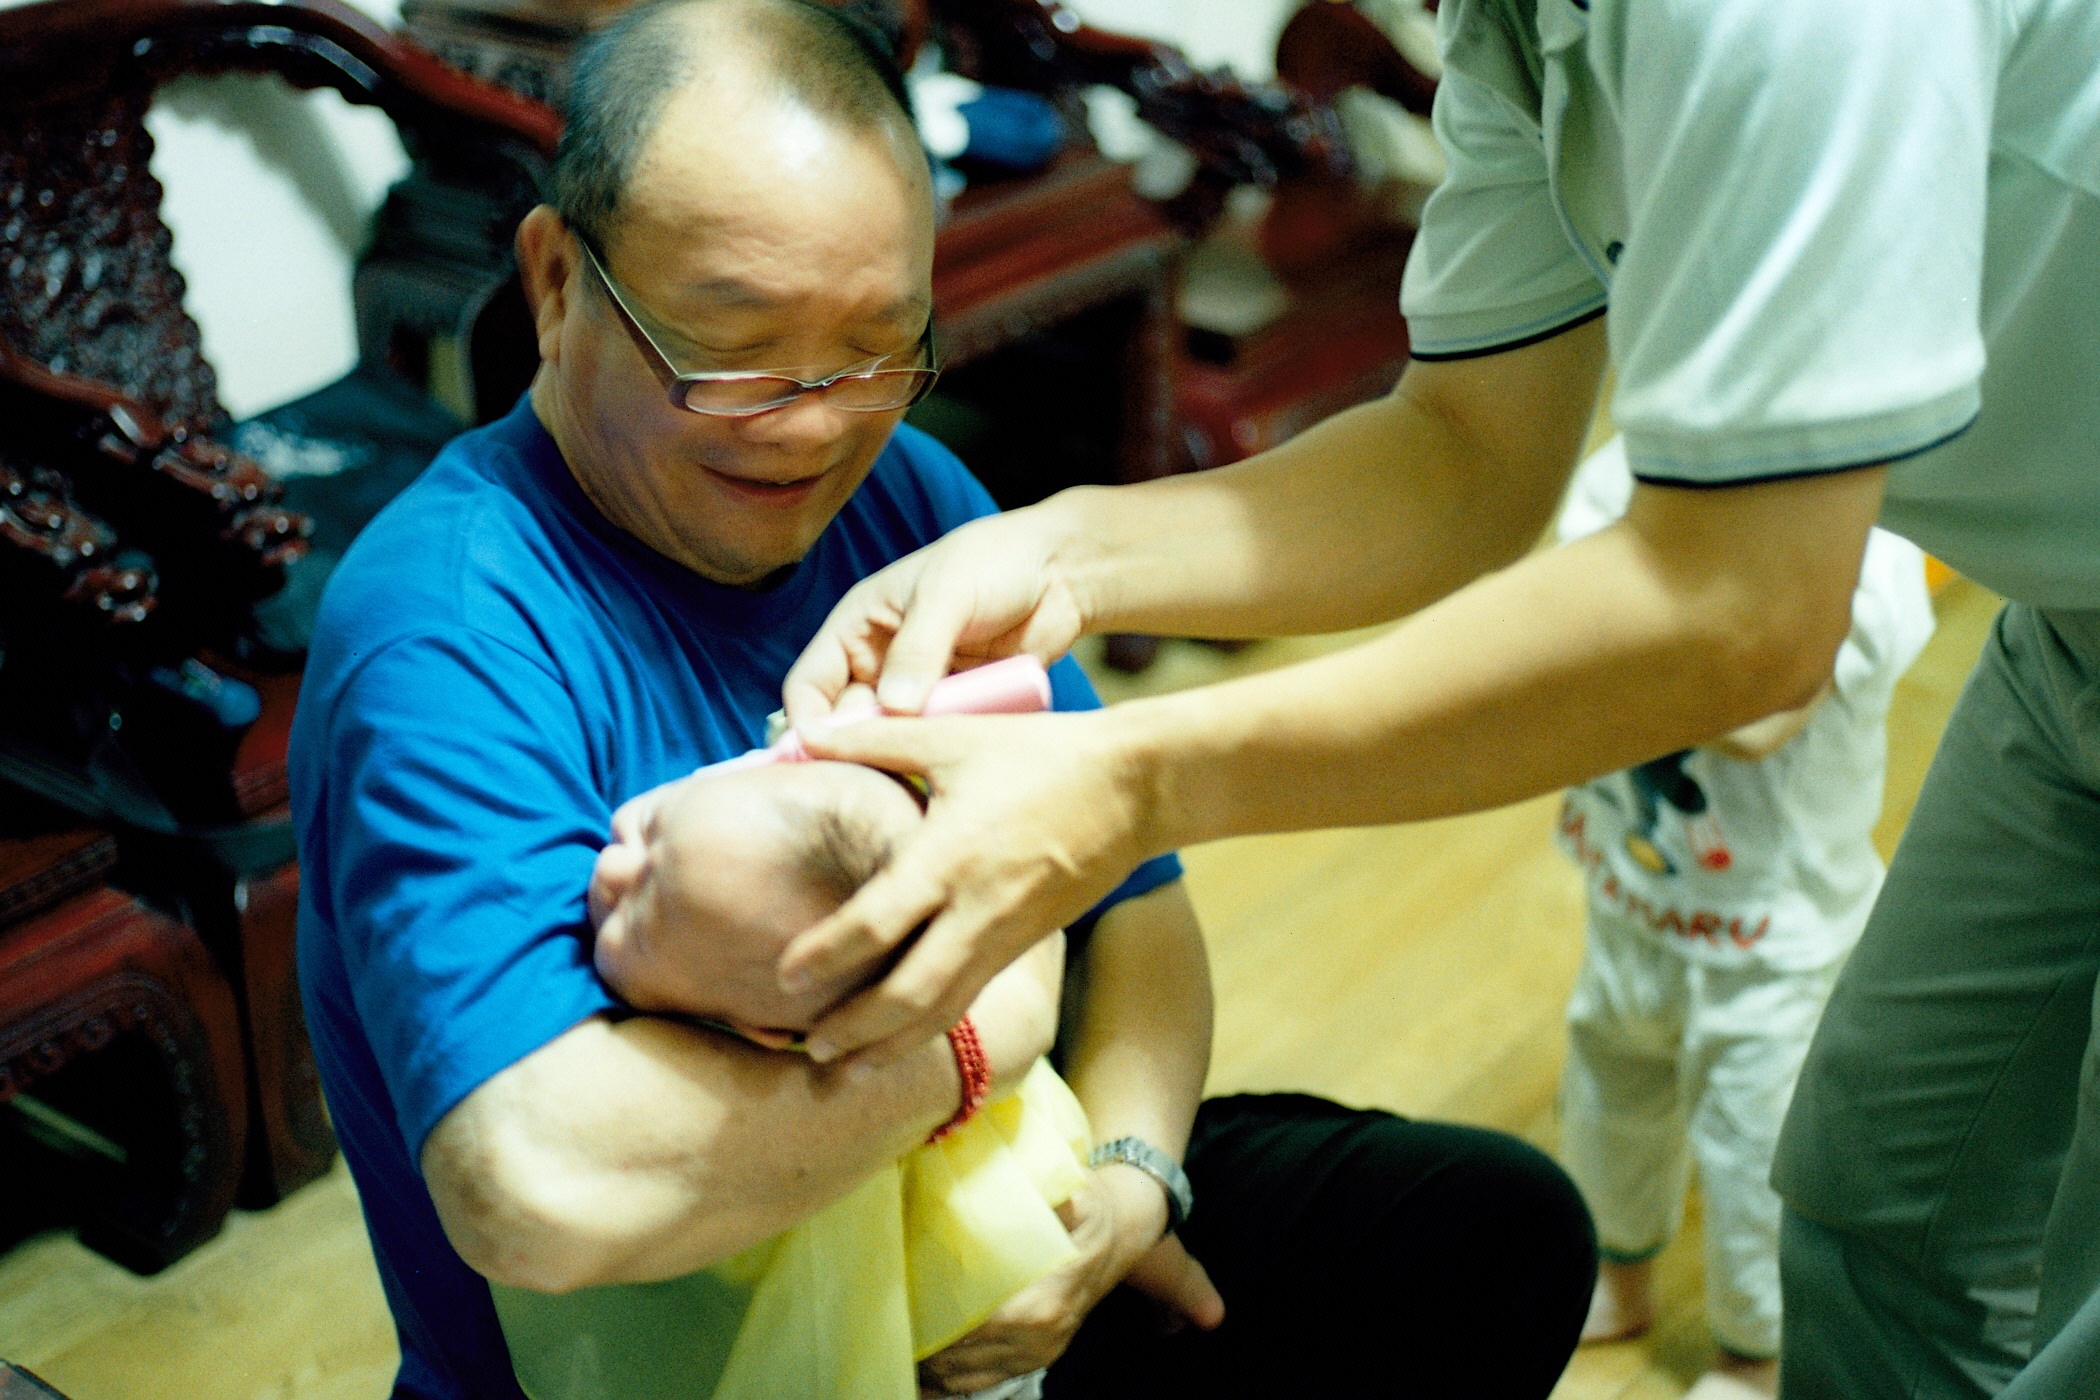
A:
x: 115, y: 1019
x: 293, y: 1142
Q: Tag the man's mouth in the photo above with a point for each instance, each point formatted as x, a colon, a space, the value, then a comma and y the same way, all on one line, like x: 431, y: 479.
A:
x: 770, y: 493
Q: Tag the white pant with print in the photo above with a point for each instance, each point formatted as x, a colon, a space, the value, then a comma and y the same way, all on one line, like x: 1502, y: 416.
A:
x: 1671, y: 1062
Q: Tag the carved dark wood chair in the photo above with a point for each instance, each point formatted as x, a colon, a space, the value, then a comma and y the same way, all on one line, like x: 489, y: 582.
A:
x: 133, y: 539
x: 1020, y: 257
x: 1337, y: 248
x: 122, y: 1087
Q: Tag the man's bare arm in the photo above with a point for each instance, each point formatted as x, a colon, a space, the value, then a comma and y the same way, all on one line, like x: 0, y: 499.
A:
x: 1367, y: 516
x: 1139, y: 1021
x: 1700, y: 611
x: 1372, y: 514
x: 1761, y: 738
x: 637, y: 1150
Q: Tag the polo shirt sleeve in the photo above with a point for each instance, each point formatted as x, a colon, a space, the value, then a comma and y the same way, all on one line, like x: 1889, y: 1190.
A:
x: 1492, y: 268
x: 1801, y: 280
x: 462, y: 824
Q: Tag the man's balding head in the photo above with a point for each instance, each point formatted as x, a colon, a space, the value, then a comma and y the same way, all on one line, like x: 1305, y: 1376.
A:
x: 747, y: 174
x: 814, y: 56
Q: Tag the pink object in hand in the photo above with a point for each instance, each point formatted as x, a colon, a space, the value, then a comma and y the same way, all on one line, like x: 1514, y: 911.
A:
x: 1016, y: 686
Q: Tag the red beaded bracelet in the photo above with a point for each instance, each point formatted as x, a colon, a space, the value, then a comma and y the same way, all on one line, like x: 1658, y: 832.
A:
x: 976, y: 1072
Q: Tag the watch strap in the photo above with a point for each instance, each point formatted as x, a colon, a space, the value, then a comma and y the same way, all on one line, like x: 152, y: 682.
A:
x: 1136, y: 1152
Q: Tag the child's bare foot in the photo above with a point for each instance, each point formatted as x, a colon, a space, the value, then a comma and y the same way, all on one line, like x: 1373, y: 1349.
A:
x: 1623, y: 1305
x: 1737, y: 1378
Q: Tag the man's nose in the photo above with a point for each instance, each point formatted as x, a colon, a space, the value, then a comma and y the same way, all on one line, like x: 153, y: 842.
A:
x: 809, y: 421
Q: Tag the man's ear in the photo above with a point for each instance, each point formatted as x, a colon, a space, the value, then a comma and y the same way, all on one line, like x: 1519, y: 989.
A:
x: 547, y: 260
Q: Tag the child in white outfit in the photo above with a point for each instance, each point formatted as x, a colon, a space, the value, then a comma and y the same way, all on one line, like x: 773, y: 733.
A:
x: 1726, y: 884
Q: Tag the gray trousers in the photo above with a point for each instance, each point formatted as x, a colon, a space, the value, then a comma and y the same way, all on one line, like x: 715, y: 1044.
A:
x: 1941, y: 1161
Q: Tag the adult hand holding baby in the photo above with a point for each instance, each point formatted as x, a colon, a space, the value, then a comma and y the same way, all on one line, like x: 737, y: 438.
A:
x: 994, y: 798
x: 973, y: 883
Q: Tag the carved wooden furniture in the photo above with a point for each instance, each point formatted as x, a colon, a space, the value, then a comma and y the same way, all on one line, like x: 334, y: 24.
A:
x: 1339, y: 252
x: 1019, y: 257
x: 1016, y: 255
x: 119, y: 502
x: 91, y: 303
x: 45, y: 859
x: 135, y: 546
x: 248, y: 920
x: 1239, y: 132
x: 292, y: 1137
x: 118, y: 1031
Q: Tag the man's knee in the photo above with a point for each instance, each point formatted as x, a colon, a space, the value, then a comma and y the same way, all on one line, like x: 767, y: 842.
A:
x: 1527, y: 1210
x: 1428, y: 1258
x: 1364, y: 1176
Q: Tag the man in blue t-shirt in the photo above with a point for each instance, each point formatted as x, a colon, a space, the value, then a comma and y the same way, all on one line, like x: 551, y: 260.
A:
x: 603, y: 591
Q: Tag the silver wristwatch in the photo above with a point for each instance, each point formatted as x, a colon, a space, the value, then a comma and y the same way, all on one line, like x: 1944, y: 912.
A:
x: 1136, y: 1152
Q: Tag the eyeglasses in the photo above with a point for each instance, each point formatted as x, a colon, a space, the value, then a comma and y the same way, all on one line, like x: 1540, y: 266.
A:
x: 748, y: 393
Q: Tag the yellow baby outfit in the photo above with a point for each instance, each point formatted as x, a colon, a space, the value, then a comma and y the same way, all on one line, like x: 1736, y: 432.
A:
x: 842, y: 1306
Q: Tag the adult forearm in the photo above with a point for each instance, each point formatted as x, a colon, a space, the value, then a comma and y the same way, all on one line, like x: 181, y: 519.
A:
x: 1138, y: 1047
x: 1571, y: 663
x: 1762, y: 738
x: 631, y: 1151
x: 1370, y: 515
x: 643, y: 1150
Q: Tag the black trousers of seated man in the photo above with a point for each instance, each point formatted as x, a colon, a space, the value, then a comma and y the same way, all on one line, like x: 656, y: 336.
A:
x: 1359, y: 1255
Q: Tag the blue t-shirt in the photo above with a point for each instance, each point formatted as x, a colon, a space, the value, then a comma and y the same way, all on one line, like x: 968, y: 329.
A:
x: 496, y: 667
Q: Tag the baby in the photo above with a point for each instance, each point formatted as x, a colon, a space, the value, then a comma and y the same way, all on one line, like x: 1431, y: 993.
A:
x: 734, y: 864
x: 714, y: 875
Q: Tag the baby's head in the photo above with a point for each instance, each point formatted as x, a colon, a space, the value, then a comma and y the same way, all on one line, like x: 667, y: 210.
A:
x: 734, y: 865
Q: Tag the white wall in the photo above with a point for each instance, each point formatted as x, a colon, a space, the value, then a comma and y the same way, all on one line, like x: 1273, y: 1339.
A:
x: 269, y: 194
x: 1239, y: 34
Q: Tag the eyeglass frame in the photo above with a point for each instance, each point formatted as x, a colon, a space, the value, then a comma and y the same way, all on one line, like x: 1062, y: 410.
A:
x: 675, y: 383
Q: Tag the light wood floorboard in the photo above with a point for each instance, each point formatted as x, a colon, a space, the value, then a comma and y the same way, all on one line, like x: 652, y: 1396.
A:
x: 1417, y: 968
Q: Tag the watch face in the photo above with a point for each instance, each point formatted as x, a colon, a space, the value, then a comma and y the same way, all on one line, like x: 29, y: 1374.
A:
x: 1136, y: 1152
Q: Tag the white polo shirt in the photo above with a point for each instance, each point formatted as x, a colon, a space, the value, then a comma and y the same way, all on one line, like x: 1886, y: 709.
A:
x: 1829, y: 235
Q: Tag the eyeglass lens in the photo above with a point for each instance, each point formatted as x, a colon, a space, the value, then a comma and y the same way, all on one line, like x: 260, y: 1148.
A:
x: 874, y: 392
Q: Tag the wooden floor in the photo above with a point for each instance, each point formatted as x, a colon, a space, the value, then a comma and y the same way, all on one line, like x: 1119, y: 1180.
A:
x: 1419, y: 968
